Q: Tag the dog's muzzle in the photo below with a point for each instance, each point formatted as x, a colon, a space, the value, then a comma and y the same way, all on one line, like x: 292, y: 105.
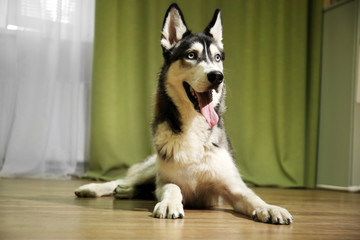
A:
x: 215, y: 77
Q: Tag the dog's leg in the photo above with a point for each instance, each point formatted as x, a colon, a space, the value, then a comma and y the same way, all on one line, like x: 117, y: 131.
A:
x: 138, y: 174
x: 122, y: 188
x: 243, y: 199
x: 170, y: 205
x: 98, y: 189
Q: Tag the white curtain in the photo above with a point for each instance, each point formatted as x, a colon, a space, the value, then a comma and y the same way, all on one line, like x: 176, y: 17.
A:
x: 45, y: 80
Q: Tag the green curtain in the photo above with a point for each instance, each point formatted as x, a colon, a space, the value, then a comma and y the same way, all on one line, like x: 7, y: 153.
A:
x: 272, y: 72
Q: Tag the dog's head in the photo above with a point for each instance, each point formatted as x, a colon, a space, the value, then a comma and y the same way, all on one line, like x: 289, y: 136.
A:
x: 195, y: 61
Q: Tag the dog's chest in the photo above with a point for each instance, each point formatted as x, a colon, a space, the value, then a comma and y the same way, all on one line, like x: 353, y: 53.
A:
x: 197, y: 180
x: 189, y: 146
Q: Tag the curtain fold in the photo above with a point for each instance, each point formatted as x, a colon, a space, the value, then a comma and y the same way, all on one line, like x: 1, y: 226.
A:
x: 272, y: 70
x: 45, y: 80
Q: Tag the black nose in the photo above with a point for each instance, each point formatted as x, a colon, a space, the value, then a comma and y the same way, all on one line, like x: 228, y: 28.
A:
x: 215, y: 77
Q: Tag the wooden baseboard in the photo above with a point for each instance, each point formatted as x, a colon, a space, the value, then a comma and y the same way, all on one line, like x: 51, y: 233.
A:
x: 339, y: 188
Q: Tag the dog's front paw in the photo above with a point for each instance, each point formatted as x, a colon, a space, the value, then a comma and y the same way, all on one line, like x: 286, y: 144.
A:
x: 272, y: 214
x: 168, y: 209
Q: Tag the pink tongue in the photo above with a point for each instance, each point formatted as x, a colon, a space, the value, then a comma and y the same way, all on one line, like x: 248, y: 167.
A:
x: 207, y: 109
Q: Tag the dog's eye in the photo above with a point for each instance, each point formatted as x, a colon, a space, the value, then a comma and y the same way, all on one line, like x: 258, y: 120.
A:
x: 191, y: 56
x: 217, y: 57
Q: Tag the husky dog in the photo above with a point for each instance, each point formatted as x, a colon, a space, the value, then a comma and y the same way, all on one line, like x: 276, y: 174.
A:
x: 194, y: 166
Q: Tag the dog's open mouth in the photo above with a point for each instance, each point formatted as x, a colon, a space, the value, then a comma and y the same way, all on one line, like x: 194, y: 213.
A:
x: 203, y: 103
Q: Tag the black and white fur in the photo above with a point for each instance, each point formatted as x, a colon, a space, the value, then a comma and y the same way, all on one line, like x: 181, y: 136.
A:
x: 194, y: 165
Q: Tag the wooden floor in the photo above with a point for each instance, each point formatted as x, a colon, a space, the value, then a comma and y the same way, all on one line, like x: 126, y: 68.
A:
x: 48, y: 209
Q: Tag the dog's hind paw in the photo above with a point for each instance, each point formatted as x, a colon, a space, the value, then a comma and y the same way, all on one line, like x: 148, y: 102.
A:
x: 82, y: 193
x: 86, y: 191
x: 124, y: 191
x: 166, y: 209
x: 272, y: 214
x: 92, y: 190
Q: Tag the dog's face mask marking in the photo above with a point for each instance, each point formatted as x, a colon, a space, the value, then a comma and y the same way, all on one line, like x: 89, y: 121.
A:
x: 195, y: 63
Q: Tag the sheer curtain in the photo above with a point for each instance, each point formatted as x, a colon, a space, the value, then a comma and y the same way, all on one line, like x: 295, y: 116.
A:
x: 45, y: 80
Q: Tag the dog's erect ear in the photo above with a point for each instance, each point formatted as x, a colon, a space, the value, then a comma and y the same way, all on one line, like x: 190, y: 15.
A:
x: 174, y: 27
x: 214, y: 29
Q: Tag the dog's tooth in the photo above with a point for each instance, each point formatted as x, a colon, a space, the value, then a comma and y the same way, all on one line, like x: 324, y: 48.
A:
x: 193, y: 92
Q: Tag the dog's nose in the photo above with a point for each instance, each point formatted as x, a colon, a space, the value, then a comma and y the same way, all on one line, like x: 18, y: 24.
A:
x: 215, y: 77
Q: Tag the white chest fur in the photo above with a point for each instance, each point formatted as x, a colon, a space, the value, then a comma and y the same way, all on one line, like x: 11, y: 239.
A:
x: 187, y: 147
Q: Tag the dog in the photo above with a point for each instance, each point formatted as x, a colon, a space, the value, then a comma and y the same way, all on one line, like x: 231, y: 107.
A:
x: 194, y: 165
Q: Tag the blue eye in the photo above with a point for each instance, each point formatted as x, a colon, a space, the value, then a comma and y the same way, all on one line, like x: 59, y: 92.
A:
x: 191, y: 56
x: 217, y: 57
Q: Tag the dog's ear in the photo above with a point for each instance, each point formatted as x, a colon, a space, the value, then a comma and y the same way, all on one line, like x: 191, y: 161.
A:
x: 174, y: 27
x: 214, y: 29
